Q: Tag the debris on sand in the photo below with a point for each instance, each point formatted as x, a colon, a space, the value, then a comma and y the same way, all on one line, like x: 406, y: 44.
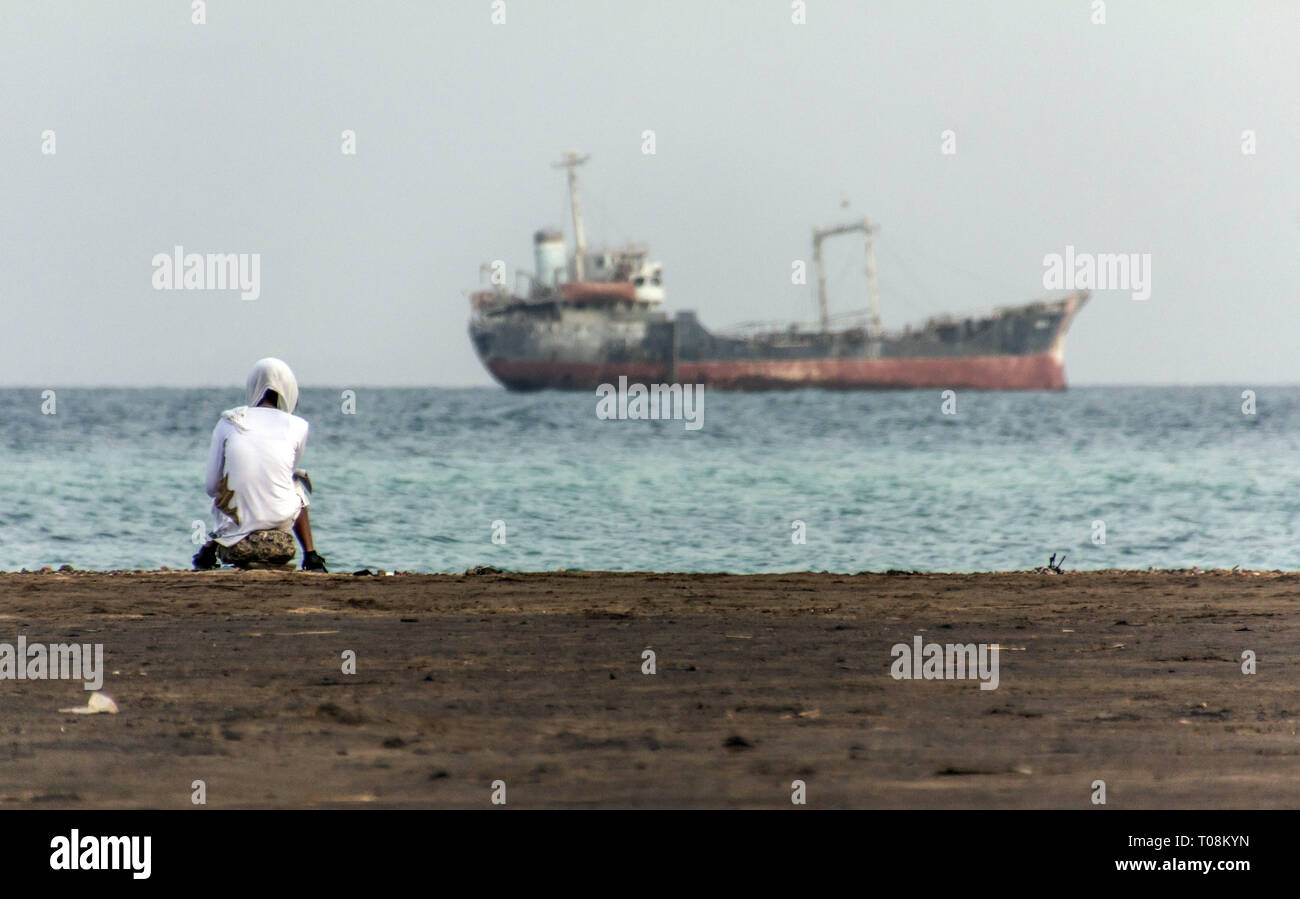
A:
x: 98, y: 703
x: 483, y: 569
x: 1052, y: 566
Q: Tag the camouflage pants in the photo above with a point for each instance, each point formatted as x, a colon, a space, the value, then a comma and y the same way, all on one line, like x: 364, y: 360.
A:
x: 263, y: 547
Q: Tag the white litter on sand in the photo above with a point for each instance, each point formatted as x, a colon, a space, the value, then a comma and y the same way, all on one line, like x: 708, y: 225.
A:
x: 98, y: 703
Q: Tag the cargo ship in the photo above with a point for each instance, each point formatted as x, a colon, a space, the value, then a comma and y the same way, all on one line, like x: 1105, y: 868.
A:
x: 586, y: 318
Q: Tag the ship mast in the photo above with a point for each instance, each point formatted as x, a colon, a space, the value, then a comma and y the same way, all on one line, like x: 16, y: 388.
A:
x: 571, y: 161
x: 873, y: 289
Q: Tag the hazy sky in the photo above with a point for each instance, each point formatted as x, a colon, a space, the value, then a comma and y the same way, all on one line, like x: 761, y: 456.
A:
x: 226, y: 138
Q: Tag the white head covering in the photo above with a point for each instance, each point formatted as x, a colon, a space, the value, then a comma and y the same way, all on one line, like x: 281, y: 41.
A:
x: 267, y: 374
x: 272, y: 374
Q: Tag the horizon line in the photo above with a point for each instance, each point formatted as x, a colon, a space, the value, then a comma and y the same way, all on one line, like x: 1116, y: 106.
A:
x: 355, y: 386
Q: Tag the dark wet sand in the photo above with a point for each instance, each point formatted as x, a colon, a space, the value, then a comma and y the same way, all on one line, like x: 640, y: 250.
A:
x: 1133, y: 678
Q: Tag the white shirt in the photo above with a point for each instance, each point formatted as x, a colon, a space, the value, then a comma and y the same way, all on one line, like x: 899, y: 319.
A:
x: 250, y: 473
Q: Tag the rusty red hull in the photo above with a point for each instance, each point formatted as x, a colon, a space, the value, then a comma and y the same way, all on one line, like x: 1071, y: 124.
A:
x: 1040, y: 371
x: 566, y: 344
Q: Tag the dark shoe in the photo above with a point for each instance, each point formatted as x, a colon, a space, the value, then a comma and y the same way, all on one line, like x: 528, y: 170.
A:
x: 311, y: 561
x: 206, y: 558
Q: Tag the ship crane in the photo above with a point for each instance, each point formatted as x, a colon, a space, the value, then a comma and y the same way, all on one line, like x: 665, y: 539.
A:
x: 571, y: 161
x: 820, y: 234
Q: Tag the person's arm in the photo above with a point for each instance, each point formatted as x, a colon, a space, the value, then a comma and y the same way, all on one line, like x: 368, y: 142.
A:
x: 311, y: 560
x: 300, y: 446
x: 302, y: 479
x: 216, y: 460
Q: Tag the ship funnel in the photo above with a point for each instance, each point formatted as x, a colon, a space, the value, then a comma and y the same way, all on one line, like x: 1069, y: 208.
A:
x: 549, y: 257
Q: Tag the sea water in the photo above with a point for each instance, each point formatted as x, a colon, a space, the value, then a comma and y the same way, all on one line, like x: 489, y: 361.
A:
x: 440, y: 480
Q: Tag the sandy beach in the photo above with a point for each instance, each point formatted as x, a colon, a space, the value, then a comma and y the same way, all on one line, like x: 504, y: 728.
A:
x: 236, y: 679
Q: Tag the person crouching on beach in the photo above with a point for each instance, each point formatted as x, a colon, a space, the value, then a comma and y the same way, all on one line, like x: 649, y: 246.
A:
x: 259, y: 495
